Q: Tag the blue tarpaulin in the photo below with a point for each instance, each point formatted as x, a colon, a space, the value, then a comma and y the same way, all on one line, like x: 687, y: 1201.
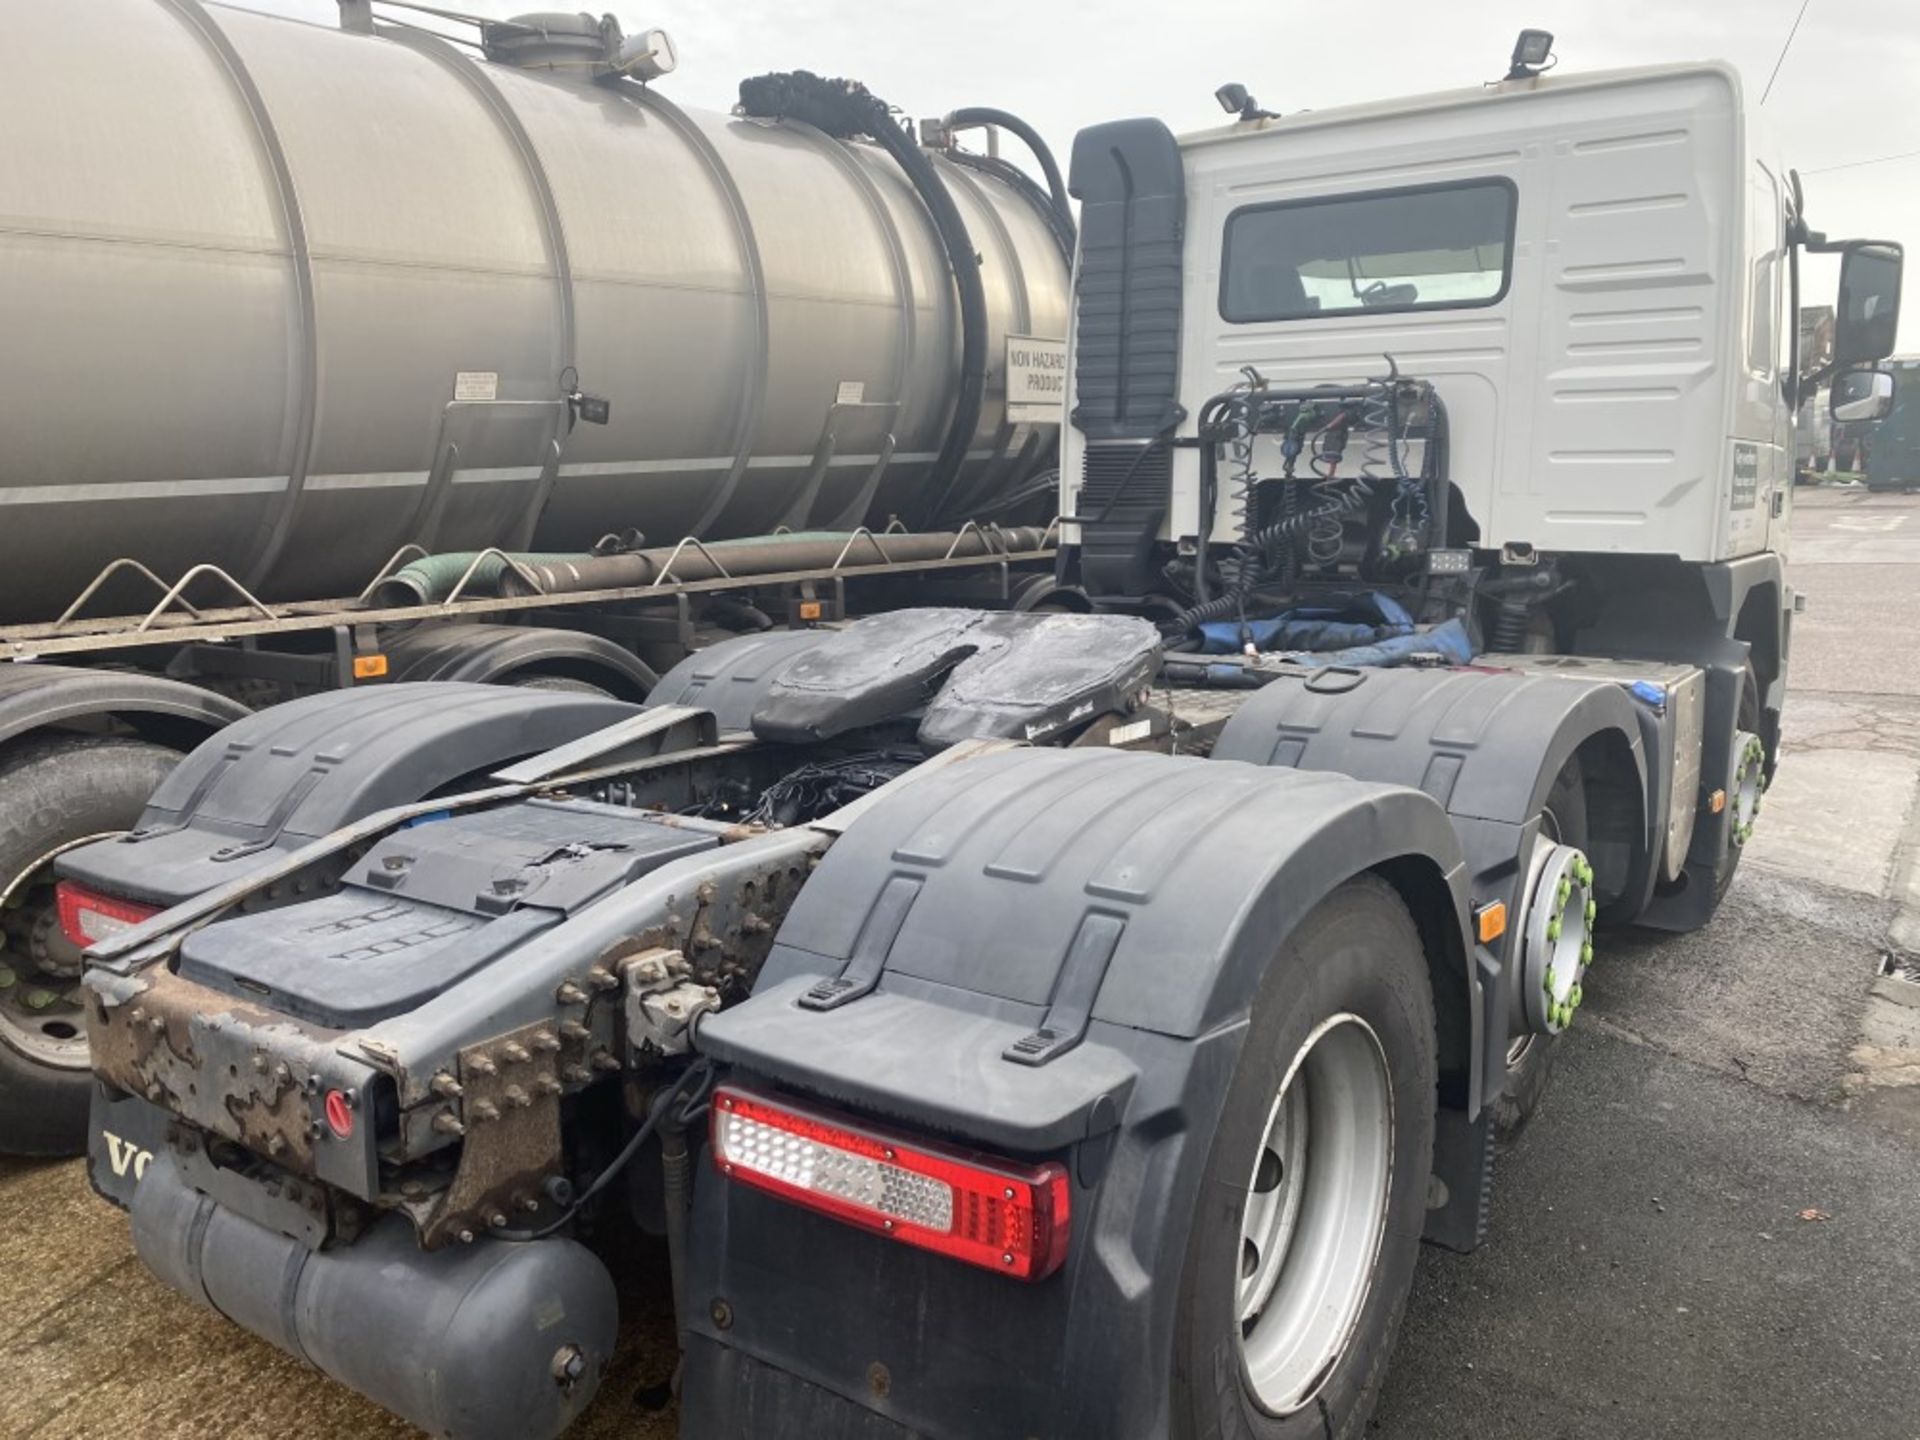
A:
x: 1373, y: 629
x: 1362, y: 620
x: 1449, y: 641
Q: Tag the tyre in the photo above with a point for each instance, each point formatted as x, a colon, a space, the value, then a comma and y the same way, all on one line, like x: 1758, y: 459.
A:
x: 1313, y: 1198
x: 1563, y: 821
x: 56, y: 792
x: 1746, y: 721
x: 562, y: 684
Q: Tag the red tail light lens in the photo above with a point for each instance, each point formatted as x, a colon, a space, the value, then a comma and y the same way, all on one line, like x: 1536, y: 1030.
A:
x: 87, y: 917
x: 995, y: 1214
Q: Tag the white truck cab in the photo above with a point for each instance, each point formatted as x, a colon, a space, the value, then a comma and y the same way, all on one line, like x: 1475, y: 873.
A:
x: 1593, y: 270
x: 1519, y: 358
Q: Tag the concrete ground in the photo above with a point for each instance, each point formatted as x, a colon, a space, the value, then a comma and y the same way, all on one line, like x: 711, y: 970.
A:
x: 1707, y: 1232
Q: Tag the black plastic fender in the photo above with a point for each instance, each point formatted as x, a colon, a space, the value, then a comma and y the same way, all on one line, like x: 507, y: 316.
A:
x: 1485, y: 744
x: 1043, y: 953
x: 170, y: 712
x: 493, y: 653
x: 291, y: 774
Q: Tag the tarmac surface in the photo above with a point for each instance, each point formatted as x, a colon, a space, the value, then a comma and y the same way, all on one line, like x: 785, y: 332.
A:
x: 1708, y: 1231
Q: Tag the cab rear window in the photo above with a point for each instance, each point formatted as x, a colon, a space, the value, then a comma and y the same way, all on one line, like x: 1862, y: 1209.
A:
x: 1426, y: 247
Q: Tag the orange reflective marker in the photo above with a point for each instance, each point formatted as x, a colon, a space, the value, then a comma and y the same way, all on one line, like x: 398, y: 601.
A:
x: 1491, y: 921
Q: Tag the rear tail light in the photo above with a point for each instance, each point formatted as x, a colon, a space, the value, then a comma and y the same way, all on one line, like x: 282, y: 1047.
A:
x: 87, y: 917
x: 996, y: 1214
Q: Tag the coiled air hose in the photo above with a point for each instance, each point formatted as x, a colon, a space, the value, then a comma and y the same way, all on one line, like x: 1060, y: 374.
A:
x: 1234, y: 418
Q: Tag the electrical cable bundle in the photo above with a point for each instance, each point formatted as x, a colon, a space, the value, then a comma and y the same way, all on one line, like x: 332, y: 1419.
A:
x: 1318, y: 424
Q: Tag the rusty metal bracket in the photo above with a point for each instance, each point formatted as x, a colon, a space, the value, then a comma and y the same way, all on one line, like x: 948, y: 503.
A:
x: 236, y: 1070
x: 663, y: 1004
x: 509, y: 1114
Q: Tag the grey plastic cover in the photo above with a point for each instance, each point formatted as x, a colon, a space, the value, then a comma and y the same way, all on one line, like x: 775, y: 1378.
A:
x: 430, y: 905
x: 972, y: 673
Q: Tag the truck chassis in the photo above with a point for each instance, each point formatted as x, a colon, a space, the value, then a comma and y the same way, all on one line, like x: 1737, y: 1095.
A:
x: 948, y: 893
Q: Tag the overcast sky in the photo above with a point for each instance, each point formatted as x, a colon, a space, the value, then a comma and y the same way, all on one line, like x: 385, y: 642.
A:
x: 1844, y: 94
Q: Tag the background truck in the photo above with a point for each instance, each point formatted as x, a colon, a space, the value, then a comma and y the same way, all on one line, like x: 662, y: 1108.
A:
x: 312, y: 332
x: 1037, y: 1023
x: 1893, y: 455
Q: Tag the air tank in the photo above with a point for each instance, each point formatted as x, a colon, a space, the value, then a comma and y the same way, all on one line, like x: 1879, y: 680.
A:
x: 285, y: 298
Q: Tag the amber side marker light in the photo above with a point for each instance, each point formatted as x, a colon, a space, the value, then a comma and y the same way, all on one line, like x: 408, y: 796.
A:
x: 1490, y: 921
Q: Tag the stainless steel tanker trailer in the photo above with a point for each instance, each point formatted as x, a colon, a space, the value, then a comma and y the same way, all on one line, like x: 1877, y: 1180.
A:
x: 315, y: 342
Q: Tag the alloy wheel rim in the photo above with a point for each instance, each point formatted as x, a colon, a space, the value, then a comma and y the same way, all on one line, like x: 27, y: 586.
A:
x: 1314, y: 1213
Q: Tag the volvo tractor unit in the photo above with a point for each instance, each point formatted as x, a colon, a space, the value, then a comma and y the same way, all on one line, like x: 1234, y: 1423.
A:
x: 1062, y: 1022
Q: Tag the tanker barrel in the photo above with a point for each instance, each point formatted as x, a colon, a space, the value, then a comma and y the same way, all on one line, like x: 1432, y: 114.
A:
x: 337, y: 293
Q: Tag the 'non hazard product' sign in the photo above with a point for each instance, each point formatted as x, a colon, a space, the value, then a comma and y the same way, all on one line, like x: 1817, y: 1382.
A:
x: 1036, y: 380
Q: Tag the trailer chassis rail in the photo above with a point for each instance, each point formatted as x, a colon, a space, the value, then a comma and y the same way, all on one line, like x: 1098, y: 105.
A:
x: 163, y: 625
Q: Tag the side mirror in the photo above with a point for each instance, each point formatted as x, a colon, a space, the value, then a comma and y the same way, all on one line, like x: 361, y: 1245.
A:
x: 1869, y: 310
x: 1862, y: 395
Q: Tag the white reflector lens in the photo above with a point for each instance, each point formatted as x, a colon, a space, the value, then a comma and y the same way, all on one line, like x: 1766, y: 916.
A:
x: 876, y: 1185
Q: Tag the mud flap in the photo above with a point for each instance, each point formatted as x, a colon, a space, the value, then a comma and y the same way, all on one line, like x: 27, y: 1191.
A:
x: 1039, y: 955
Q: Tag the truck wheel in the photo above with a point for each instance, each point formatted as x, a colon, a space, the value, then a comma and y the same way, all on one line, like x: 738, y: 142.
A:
x: 561, y: 684
x: 1563, y: 821
x: 1746, y: 722
x: 1314, y: 1193
x: 56, y: 792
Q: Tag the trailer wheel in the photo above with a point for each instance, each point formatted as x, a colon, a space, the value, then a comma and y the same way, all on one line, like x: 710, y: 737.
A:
x: 1303, y: 1244
x: 1563, y: 821
x: 1747, y: 722
x: 560, y: 684
x: 56, y: 792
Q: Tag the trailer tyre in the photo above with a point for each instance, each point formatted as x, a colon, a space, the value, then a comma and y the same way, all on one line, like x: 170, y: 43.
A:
x: 561, y: 684
x: 56, y: 791
x: 1313, y: 1199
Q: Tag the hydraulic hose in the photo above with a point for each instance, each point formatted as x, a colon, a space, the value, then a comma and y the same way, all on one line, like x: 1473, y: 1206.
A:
x: 976, y: 116
x: 845, y: 108
x: 764, y: 555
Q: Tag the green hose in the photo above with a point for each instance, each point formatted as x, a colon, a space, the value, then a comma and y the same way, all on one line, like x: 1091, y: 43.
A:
x: 431, y: 579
